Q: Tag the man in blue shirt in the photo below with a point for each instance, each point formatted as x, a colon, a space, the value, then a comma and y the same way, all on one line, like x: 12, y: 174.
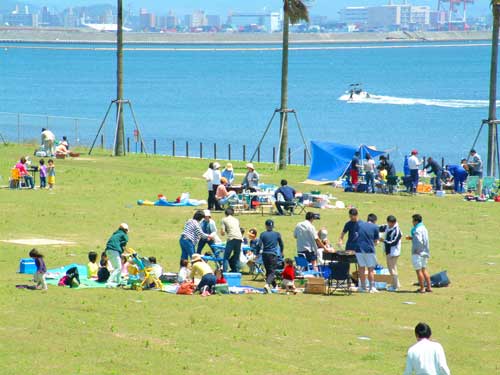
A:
x: 351, y: 227
x: 284, y: 197
x: 368, y: 238
x: 272, y: 248
x: 459, y: 175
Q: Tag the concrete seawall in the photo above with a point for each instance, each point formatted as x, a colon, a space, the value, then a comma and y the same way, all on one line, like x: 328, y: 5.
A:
x: 26, y: 35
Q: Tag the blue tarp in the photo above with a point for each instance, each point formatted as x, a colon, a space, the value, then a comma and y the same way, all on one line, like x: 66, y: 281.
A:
x: 330, y: 160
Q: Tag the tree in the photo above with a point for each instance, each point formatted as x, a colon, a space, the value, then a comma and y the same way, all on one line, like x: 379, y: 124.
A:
x: 120, y: 130
x: 492, y: 114
x: 294, y: 11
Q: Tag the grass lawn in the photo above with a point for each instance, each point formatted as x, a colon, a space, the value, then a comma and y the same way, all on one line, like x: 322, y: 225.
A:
x: 102, y: 331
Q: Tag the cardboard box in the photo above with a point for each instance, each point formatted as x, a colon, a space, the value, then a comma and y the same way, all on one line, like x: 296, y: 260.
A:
x: 315, y: 285
x: 383, y: 279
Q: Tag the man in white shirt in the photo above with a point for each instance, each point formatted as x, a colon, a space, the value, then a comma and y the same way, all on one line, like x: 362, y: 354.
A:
x: 426, y: 357
x: 413, y: 164
x: 307, y: 239
x: 48, y: 138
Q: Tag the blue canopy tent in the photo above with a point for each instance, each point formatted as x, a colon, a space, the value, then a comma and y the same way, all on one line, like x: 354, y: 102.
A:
x: 331, y: 160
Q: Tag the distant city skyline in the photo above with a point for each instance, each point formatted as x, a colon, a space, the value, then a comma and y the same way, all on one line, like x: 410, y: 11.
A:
x: 327, y: 8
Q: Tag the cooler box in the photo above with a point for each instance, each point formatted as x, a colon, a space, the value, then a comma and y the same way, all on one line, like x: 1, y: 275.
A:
x: 27, y: 265
x: 233, y: 278
x: 424, y: 188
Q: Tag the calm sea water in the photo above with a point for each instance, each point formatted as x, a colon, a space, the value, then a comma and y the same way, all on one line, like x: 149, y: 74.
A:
x: 431, y: 98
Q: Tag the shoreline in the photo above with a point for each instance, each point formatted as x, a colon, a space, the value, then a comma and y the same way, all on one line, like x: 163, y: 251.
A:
x: 78, y: 36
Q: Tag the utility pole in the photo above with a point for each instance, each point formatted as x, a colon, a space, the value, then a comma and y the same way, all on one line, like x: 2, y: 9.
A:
x: 120, y: 129
x: 492, y: 113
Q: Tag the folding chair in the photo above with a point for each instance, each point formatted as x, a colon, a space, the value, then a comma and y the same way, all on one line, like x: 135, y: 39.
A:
x: 392, y: 184
x: 489, y: 185
x: 299, y: 206
x: 15, y: 179
x: 472, y: 183
x: 304, y: 267
x: 217, y: 257
x: 340, y: 278
x: 257, y: 269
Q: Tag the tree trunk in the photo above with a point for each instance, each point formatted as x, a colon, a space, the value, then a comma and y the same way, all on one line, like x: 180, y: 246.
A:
x: 284, y: 94
x: 492, y: 114
x: 120, y: 131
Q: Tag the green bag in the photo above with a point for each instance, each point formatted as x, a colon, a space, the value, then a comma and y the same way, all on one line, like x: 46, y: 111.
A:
x: 221, y: 289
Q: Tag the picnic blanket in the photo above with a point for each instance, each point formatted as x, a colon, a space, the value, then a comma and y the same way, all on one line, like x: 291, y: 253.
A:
x: 162, y: 203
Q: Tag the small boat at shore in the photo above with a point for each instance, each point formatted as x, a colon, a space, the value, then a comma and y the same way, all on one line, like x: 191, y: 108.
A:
x: 356, y: 92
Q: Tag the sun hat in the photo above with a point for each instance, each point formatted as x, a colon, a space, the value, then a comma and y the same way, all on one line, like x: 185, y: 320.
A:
x: 250, y: 165
x: 229, y: 166
x: 124, y: 226
x: 216, y: 165
x: 195, y: 258
x: 269, y: 223
x: 207, y: 213
x: 414, y: 152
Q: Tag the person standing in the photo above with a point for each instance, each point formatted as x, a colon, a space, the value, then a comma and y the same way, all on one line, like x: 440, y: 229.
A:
x: 228, y: 174
x: 392, y: 247
x: 191, y: 235
x: 413, y: 164
x: 272, y: 248
x: 391, y: 172
x: 370, y: 174
x: 251, y: 180
x: 209, y: 176
x: 115, y: 247
x: 437, y: 170
x: 48, y: 138
x: 368, y: 238
x: 420, y: 253
x: 351, y: 228
x: 216, y: 181
x: 231, y: 228
x: 287, y: 195
x: 476, y: 164
x: 354, y: 171
x: 426, y: 356
x: 208, y: 227
x: 307, y: 238
x: 459, y: 175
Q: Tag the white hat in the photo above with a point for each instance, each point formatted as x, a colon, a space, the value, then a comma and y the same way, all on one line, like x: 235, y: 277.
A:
x: 124, y: 226
x: 207, y: 213
x: 216, y: 165
x: 250, y: 165
x: 195, y: 258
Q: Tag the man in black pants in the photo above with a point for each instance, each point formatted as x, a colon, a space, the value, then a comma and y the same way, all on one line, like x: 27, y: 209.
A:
x: 272, y: 248
x: 437, y: 170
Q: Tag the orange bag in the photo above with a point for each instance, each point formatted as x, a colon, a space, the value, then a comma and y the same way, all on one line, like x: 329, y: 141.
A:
x: 186, y: 288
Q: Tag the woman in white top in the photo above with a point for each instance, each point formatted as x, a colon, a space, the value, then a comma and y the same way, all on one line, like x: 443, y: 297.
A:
x: 370, y: 174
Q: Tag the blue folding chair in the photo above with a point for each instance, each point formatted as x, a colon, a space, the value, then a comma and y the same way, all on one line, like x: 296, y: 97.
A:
x: 218, y: 256
x: 305, y: 268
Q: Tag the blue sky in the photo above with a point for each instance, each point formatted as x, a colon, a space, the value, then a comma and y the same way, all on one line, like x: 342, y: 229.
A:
x: 324, y: 7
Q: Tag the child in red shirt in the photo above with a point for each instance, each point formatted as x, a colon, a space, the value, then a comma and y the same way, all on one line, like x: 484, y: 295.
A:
x: 220, y: 277
x: 288, y: 276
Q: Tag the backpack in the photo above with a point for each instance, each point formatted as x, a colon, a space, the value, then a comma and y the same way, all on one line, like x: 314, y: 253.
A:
x: 440, y: 280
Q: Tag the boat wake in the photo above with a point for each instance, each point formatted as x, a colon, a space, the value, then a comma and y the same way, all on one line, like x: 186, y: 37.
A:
x: 393, y: 100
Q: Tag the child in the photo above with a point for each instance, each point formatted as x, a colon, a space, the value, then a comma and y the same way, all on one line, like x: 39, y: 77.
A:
x: 92, y: 266
x: 43, y: 174
x: 41, y: 269
x: 51, y: 173
x: 420, y: 253
x: 184, y: 272
x: 157, y: 271
x: 327, y: 246
x: 220, y: 277
x: 124, y: 267
x: 288, y: 276
x: 392, y: 246
x: 105, y: 268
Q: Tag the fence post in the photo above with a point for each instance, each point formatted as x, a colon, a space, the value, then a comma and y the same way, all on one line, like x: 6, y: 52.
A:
x: 305, y: 157
x: 229, y: 152
x: 18, y: 128
x: 274, y: 155
x: 258, y: 154
x: 154, y: 146
x: 128, y: 145
x: 173, y: 148
x: 201, y: 150
x: 102, y: 141
x: 187, y: 149
x: 289, y: 156
x: 244, y: 152
x: 215, y: 151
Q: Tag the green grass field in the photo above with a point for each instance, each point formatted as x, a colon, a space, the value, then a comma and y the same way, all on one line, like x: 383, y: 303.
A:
x: 103, y: 331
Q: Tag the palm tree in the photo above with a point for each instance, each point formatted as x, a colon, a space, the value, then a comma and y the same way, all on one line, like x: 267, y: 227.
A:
x: 294, y: 11
x: 120, y: 130
x: 492, y: 126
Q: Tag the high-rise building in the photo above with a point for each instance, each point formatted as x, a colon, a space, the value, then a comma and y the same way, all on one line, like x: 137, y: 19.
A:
x: 214, y: 21
x: 268, y: 21
x: 198, y: 19
x: 147, y: 21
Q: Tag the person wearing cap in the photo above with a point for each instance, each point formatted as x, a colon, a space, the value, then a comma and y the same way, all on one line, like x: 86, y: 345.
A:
x: 208, y: 227
x: 476, y: 164
x: 115, y: 247
x: 413, y: 164
x: 48, y: 138
x: 307, y: 238
x: 228, y: 174
x: 191, y: 235
x: 284, y: 197
x: 216, y: 181
x: 251, y: 180
x: 201, y: 270
x: 272, y: 248
x: 231, y: 228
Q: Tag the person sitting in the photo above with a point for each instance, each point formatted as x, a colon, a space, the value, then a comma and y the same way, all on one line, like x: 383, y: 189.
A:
x: 23, y: 172
x: 156, y: 269
x: 222, y: 195
x: 228, y: 174
x: 61, y: 151
x: 251, y: 180
x: 65, y: 142
x: 184, y: 271
x: 208, y: 227
x: 284, y: 197
x: 220, y: 277
x: 92, y: 266
x: 203, y: 271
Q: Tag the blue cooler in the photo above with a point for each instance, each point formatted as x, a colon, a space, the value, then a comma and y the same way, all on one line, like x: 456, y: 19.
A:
x: 233, y: 278
x: 27, y: 265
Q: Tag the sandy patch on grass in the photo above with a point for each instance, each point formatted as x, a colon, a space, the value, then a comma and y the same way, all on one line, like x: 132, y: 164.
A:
x: 38, y: 242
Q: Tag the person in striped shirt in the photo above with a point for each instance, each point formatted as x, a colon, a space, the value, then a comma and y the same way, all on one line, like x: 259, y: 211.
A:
x: 191, y: 235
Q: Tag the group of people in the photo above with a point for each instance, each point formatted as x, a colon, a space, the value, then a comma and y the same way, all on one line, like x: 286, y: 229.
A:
x: 49, y: 146
x: 47, y: 173
x: 383, y: 174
